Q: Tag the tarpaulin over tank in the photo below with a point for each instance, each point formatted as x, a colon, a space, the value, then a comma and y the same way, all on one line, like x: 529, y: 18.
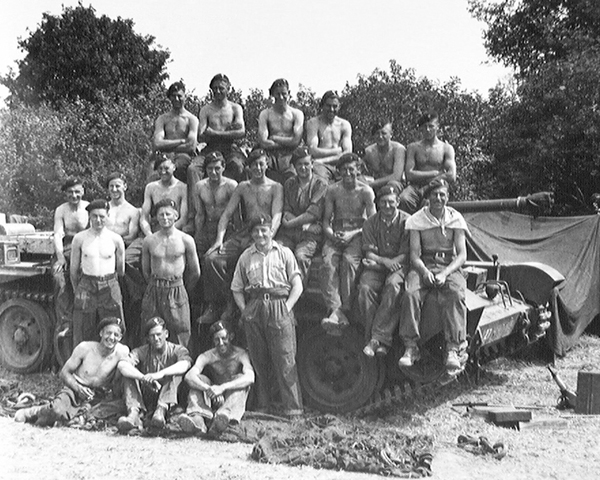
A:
x: 571, y: 245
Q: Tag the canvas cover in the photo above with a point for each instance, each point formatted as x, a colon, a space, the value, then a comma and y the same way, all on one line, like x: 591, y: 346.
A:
x: 571, y: 245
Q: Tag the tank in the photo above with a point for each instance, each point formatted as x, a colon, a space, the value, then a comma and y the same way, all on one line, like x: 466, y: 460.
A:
x: 507, y: 309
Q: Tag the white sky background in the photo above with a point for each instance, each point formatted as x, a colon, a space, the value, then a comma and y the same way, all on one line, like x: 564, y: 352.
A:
x: 321, y: 44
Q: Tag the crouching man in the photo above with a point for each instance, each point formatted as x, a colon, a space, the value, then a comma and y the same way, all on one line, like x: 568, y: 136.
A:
x: 87, y: 375
x: 152, y: 374
x: 219, y: 384
x: 437, y: 253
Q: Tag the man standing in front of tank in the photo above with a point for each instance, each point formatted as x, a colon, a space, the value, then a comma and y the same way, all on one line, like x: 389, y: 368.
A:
x: 98, y: 256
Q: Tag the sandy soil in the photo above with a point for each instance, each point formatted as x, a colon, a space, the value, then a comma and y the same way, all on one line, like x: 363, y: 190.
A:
x: 568, y: 450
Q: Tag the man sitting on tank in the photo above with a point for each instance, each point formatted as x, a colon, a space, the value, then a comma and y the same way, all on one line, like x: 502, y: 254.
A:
x: 219, y: 384
x: 385, y: 243
x: 437, y: 253
x: 152, y: 374
x: 88, y: 377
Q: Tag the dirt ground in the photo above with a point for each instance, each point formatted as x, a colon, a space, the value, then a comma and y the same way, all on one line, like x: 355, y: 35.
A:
x: 569, y: 448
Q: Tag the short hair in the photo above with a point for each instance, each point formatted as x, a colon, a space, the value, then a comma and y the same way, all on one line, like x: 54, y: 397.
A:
x: 299, y: 153
x: 153, y: 322
x: 98, y: 204
x: 255, y: 155
x: 427, y: 117
x: 160, y: 158
x: 434, y: 184
x: 218, y: 326
x: 106, y: 321
x: 380, y: 123
x: 347, y: 158
x: 280, y: 82
x: 214, y: 157
x: 165, y: 202
x: 327, y: 95
x: 115, y: 176
x: 71, y: 182
x: 219, y: 77
x: 175, y: 87
x: 261, y: 220
x: 388, y: 189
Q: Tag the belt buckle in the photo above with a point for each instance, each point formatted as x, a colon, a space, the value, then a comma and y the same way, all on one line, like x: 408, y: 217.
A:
x: 439, y: 256
x: 266, y: 297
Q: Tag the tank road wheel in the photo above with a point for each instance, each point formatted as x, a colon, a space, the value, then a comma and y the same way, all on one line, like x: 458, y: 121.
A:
x: 335, y: 375
x: 25, y: 335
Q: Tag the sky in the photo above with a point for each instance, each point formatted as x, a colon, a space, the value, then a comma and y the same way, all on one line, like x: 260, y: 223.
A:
x: 321, y: 44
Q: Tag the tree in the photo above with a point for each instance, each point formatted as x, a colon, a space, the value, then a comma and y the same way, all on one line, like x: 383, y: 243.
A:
x: 547, y: 136
x: 527, y: 34
x: 81, y: 56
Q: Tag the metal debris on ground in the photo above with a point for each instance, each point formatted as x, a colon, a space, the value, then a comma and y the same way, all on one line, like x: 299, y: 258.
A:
x: 482, y: 446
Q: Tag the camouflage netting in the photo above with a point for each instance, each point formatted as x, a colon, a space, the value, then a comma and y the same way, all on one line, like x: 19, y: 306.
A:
x: 327, y: 442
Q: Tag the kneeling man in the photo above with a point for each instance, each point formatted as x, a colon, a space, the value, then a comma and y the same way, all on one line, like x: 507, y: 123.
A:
x: 437, y: 253
x: 219, y: 384
x: 87, y: 375
x: 152, y: 374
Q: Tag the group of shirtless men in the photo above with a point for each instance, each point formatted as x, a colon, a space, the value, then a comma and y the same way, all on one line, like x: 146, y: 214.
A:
x: 255, y: 239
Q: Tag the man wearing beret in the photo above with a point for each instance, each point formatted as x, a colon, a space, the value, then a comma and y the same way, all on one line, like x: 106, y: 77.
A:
x: 98, y: 256
x: 87, y: 376
x: 70, y: 218
x: 266, y: 286
x: 385, y: 243
x: 219, y: 384
x: 152, y: 374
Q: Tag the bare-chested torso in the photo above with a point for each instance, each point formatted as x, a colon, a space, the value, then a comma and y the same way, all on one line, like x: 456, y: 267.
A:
x: 73, y: 220
x: 329, y: 134
x: 428, y: 157
x: 120, y: 218
x: 381, y: 164
x: 176, y: 125
x: 158, y: 191
x: 214, y: 197
x: 167, y: 253
x: 221, y: 119
x: 98, y: 252
x: 258, y: 199
x: 221, y: 369
x: 349, y: 204
x: 97, y: 370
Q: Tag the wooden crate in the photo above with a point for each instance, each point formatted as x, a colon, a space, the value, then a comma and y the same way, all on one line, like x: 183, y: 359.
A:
x: 588, y: 393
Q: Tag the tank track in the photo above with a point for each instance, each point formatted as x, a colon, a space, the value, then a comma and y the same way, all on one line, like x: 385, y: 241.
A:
x: 410, y: 391
x: 39, y: 297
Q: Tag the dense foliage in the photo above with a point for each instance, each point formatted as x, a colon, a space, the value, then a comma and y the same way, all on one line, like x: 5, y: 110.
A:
x: 547, y: 135
x: 79, y: 56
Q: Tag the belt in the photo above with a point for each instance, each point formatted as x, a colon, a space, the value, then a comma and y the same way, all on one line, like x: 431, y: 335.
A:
x: 167, y: 282
x: 101, y: 278
x: 439, y: 256
x: 348, y: 223
x: 267, y: 294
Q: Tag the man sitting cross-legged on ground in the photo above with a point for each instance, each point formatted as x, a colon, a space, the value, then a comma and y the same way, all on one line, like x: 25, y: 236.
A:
x: 152, y: 374
x: 386, y: 247
x: 258, y: 196
x: 280, y: 129
x: 303, y: 196
x: 167, y: 256
x: 219, y: 384
x: 347, y: 204
x: 437, y: 253
x: 87, y: 375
